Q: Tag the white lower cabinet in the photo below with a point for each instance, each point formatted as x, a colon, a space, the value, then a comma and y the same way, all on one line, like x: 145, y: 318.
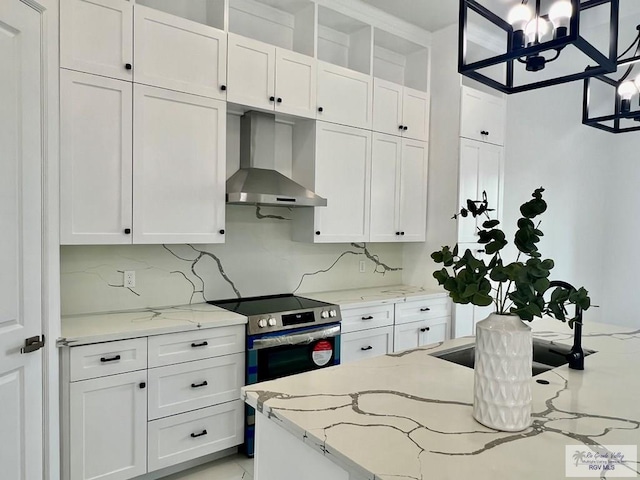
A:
x: 366, y: 344
x: 418, y: 334
x: 108, y: 427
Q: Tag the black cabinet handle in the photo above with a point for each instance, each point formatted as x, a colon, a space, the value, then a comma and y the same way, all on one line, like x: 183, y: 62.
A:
x: 128, y: 66
x: 425, y: 329
x: 112, y: 359
x: 317, y: 232
x: 279, y: 100
x: 364, y: 349
x: 484, y: 132
x: 196, y: 435
x: 142, y: 385
x: 401, y: 233
x: 401, y: 127
x: 223, y: 87
x: 272, y: 99
x: 480, y: 251
x: 405, y: 128
x: 425, y: 309
x: 198, y: 385
x: 127, y: 231
x: 320, y: 109
x: 203, y: 344
x: 398, y: 233
x: 222, y: 231
x: 367, y: 318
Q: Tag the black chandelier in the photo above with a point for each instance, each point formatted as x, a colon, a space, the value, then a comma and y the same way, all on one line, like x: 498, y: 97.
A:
x: 623, y: 104
x: 529, y: 35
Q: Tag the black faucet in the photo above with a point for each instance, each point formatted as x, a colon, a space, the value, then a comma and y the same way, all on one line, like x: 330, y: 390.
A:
x: 575, y: 356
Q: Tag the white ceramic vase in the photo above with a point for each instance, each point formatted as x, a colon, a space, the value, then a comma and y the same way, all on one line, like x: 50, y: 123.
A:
x: 502, y: 386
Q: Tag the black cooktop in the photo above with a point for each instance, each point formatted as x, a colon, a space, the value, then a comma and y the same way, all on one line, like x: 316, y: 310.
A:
x: 271, y: 304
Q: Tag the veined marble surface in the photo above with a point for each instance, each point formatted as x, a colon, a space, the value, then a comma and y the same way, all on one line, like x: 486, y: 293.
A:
x: 408, y: 415
x: 104, y: 327
x: 365, y: 296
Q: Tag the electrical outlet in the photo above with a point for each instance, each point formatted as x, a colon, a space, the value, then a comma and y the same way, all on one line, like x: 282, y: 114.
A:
x: 129, y: 279
x: 363, y: 266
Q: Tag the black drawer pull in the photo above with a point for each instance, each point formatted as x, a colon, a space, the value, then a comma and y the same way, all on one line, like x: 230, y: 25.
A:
x: 223, y: 87
x: 112, y: 359
x: 425, y: 309
x: 143, y: 385
x: 272, y: 99
x: 198, y: 385
x: 367, y: 318
x: 203, y: 344
x: 425, y: 329
x: 196, y: 435
x: 128, y: 66
x: 364, y: 349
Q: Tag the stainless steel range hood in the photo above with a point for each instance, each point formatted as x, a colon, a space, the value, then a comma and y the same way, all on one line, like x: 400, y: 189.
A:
x: 257, y: 182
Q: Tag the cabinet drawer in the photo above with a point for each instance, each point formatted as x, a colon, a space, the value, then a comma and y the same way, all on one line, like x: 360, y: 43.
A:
x: 183, y: 437
x: 356, y: 319
x: 189, y: 386
x: 419, y: 334
x: 366, y: 344
x: 109, y: 358
x: 416, y: 310
x: 188, y: 346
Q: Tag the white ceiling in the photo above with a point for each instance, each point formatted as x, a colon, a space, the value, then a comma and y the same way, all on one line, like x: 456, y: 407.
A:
x: 430, y: 15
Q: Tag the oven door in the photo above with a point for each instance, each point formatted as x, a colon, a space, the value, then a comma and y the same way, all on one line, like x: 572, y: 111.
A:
x: 295, y: 351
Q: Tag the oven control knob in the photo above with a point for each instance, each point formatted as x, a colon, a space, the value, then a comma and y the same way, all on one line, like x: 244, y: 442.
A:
x: 324, y: 314
x: 272, y: 322
x: 333, y: 313
x: 262, y: 322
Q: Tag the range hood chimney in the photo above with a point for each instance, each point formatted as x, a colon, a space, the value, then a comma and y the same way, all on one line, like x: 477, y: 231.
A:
x: 257, y: 182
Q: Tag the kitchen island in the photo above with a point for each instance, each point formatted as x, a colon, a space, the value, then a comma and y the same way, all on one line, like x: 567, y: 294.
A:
x: 408, y: 415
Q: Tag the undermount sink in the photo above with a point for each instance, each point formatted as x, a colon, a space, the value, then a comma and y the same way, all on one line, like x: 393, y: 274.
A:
x: 544, y: 358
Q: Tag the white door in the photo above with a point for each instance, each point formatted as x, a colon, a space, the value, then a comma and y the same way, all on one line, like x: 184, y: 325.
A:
x: 387, y: 107
x: 419, y: 334
x: 179, y: 164
x: 21, y: 129
x: 482, y: 116
x: 296, y: 80
x: 96, y: 120
x: 415, y: 114
x: 251, y: 73
x: 96, y: 36
x: 344, y: 96
x: 413, y: 191
x: 179, y: 54
x: 108, y: 427
x: 385, y: 187
x: 343, y: 163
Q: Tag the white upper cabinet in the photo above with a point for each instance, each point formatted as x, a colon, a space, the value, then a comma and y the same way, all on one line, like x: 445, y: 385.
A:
x: 96, y: 36
x: 179, y: 167
x: 398, y: 189
x: 399, y: 110
x: 482, y: 116
x: 179, y: 54
x: 95, y: 159
x: 481, y: 170
x: 344, y: 96
x: 415, y: 114
x: 271, y: 78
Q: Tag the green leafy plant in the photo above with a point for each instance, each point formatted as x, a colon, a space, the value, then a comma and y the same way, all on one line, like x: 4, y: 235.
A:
x: 517, y: 288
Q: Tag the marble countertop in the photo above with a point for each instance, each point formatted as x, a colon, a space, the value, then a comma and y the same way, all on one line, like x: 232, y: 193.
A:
x: 105, y: 327
x: 365, y: 296
x: 408, y: 415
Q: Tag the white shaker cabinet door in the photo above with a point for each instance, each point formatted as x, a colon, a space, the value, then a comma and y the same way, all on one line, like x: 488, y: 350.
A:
x: 251, y: 72
x: 178, y: 168
x: 366, y: 344
x: 387, y: 107
x: 344, y: 96
x: 482, y: 116
x: 419, y: 334
x: 96, y: 36
x: 415, y: 114
x: 413, y: 191
x: 296, y: 80
x: 178, y: 54
x: 108, y: 427
x: 343, y: 162
x: 385, y: 187
x: 95, y: 159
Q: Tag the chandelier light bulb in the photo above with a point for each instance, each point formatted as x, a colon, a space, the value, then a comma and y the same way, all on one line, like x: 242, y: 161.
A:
x: 627, y: 90
x: 560, y: 14
x: 519, y: 16
x: 538, y: 26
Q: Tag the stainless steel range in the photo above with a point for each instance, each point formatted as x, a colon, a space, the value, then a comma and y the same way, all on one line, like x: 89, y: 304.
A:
x: 286, y: 335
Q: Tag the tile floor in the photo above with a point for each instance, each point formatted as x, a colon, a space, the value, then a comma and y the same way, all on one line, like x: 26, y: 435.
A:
x: 235, y: 467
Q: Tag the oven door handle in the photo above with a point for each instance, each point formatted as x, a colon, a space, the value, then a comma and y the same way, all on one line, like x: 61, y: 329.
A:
x: 297, y: 338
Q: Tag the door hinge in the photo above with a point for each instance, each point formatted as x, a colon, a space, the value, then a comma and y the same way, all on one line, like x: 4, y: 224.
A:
x: 33, y: 344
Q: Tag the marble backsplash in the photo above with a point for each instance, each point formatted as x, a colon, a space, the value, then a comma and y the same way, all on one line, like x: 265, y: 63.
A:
x: 258, y: 258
